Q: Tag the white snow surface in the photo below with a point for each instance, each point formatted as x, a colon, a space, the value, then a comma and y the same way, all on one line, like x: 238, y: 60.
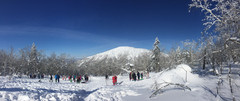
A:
x: 203, y: 88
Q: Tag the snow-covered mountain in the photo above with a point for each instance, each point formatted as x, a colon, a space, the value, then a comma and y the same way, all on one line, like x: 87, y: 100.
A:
x: 129, y: 53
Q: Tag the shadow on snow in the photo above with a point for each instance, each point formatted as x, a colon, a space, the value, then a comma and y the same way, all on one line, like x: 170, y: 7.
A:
x: 79, y: 94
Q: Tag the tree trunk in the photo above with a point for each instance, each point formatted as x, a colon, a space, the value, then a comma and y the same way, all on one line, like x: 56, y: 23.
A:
x: 230, y: 82
x: 204, y: 59
x: 213, y: 65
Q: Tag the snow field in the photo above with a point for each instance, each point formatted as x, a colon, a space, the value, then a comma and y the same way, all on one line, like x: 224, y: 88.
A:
x: 203, y: 88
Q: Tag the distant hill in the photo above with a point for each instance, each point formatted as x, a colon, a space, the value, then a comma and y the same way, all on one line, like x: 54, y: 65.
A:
x: 117, y: 59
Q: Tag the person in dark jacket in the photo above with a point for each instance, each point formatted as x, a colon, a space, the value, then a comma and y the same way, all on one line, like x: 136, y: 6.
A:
x: 42, y: 76
x: 57, y: 77
x: 106, y: 76
x: 79, y: 79
x: 141, y: 76
x: 86, y: 78
x: 138, y: 75
x: 134, y: 76
x: 51, y: 78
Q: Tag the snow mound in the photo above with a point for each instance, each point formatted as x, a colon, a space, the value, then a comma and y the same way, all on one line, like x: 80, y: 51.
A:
x: 182, y: 74
x: 185, y: 67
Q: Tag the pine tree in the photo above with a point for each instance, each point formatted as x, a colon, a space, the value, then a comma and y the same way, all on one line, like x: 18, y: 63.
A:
x: 156, y: 56
x: 33, y: 62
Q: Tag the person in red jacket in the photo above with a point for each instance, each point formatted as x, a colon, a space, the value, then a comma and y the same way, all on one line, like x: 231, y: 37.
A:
x: 114, y: 78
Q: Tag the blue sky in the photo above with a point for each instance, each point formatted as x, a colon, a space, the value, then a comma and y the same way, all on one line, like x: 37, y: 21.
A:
x: 86, y: 27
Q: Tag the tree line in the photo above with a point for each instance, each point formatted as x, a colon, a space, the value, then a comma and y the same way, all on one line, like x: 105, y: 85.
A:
x: 29, y: 60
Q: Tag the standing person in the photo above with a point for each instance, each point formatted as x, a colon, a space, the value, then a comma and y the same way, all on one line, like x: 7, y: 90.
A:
x: 130, y: 76
x: 70, y: 78
x: 74, y: 77
x: 141, y: 76
x: 79, y: 79
x: 106, y: 78
x: 42, y: 76
x: 114, y: 79
x: 134, y: 76
x: 51, y: 79
x: 56, y: 76
x: 39, y: 76
x: 138, y: 75
x: 86, y: 78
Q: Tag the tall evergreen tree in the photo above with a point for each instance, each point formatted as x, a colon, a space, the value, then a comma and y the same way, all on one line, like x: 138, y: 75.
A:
x: 156, y: 56
x: 33, y: 62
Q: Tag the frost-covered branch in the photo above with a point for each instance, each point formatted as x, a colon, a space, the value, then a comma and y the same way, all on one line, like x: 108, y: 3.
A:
x: 234, y: 39
x: 166, y: 84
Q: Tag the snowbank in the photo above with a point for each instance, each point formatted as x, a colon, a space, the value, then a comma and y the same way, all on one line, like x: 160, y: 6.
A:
x: 182, y: 74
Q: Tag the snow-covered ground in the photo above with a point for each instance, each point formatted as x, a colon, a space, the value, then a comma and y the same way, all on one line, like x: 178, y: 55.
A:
x: 203, y: 88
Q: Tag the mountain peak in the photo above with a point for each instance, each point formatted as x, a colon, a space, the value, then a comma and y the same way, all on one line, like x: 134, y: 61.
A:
x: 117, y: 52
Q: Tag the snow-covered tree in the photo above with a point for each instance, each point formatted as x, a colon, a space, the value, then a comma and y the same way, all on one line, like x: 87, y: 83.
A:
x: 175, y: 56
x: 156, y: 56
x: 8, y: 62
x: 33, y: 60
x: 222, y: 17
x: 3, y: 61
x: 23, y: 61
x: 189, y: 49
x: 223, y: 14
x: 12, y: 61
x: 142, y: 62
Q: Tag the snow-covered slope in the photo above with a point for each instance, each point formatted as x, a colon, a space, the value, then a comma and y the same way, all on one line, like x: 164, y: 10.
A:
x: 129, y: 52
x: 125, y: 52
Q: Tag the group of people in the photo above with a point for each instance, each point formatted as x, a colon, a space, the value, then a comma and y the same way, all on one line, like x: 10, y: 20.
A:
x: 132, y: 76
x: 135, y: 76
x: 40, y: 76
x: 57, y: 77
x: 114, y: 79
x: 71, y: 78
